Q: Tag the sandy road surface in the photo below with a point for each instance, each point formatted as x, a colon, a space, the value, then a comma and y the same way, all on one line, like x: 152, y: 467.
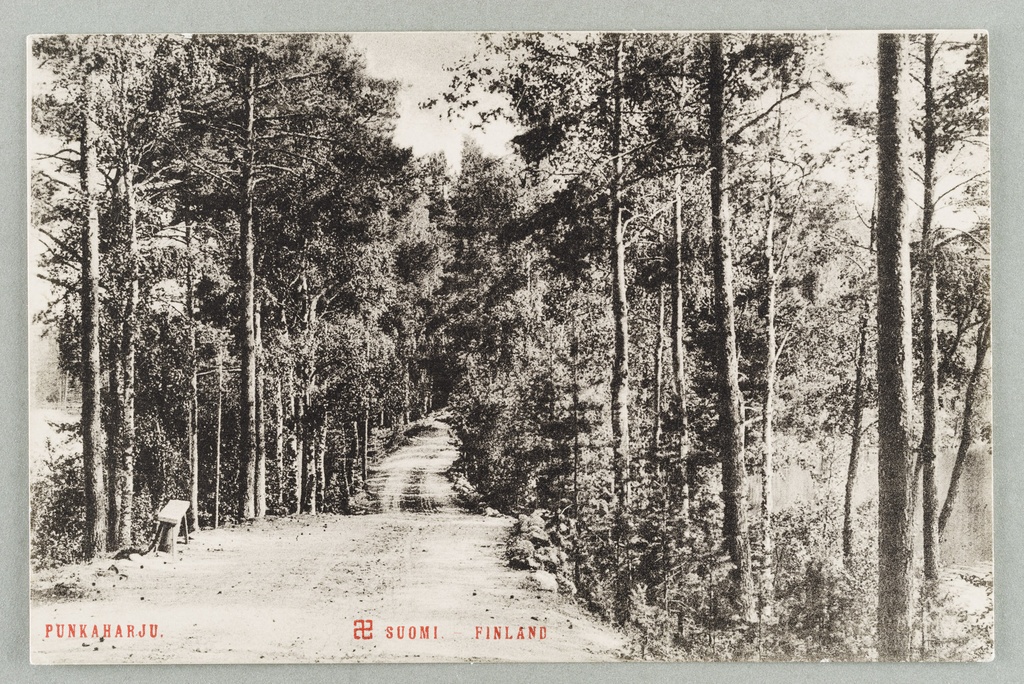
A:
x: 290, y: 589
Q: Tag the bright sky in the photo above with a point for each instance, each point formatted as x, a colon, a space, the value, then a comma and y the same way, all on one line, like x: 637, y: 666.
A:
x: 418, y: 60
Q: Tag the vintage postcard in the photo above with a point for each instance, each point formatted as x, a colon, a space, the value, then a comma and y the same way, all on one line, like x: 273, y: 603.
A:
x: 457, y: 347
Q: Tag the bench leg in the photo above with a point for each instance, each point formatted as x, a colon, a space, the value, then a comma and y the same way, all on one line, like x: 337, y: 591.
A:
x: 168, y: 538
x: 156, y: 539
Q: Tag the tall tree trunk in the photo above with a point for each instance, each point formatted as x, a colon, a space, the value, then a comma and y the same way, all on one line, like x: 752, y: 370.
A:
x: 279, y: 440
x: 620, y: 358
x: 356, y: 451
x: 966, y: 433
x: 580, y: 526
x: 126, y: 438
x: 321, y: 463
x: 857, y: 427
x: 312, y: 463
x: 678, y: 471
x: 346, y: 472
x: 576, y: 450
x: 192, y: 412
x: 162, y: 480
x: 247, y: 328
x: 407, y: 392
x: 261, y: 432
x: 366, y: 444
x: 855, y: 432
x: 112, y: 401
x: 730, y: 425
x: 659, y: 355
x: 216, y: 444
x: 771, y: 366
x: 301, y: 453
x: 96, y: 523
x: 929, y: 437
x: 679, y: 480
x: 768, y: 434
x: 895, y: 461
x: 295, y: 439
x: 348, y: 462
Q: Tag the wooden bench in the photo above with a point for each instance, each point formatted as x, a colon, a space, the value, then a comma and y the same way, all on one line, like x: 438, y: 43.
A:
x: 168, y: 522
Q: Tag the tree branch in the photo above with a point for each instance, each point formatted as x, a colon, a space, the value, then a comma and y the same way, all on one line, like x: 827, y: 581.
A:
x: 734, y: 137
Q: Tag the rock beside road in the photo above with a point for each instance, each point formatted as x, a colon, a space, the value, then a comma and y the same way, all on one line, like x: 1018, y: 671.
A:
x: 544, y: 580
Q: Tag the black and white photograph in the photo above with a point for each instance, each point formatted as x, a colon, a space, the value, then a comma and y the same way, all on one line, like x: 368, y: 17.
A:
x: 510, y: 347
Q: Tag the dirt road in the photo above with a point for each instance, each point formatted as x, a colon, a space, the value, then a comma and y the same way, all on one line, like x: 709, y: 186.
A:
x: 290, y: 589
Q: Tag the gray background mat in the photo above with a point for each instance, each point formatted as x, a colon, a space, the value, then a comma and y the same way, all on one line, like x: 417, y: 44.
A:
x: 1003, y: 18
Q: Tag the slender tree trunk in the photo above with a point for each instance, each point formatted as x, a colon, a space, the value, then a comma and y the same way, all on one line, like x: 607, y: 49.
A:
x: 857, y: 428
x: 216, y: 444
x: 577, y: 531
x: 620, y: 358
x: 366, y: 444
x: 302, y: 453
x: 161, y: 481
x: 313, y: 464
x: 734, y: 485
x: 279, y: 440
x: 855, y: 432
x: 112, y: 400
x: 96, y: 523
x: 321, y: 463
x: 576, y: 451
x: 768, y: 434
x: 662, y: 468
x: 350, y: 459
x: 349, y: 476
x: 356, y: 450
x: 895, y: 462
x: 771, y: 366
x: 966, y: 433
x: 192, y: 428
x: 346, y: 478
x: 295, y: 439
x: 126, y: 438
x: 407, y: 391
x: 261, y: 432
x: 247, y: 329
x: 679, y: 469
x: 929, y: 438
x: 678, y: 495
x: 659, y: 355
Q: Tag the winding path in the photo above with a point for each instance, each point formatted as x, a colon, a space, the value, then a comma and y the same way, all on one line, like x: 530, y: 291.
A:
x: 290, y: 589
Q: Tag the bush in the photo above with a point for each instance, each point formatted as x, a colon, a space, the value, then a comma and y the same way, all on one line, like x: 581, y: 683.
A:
x: 57, y: 503
x: 825, y: 608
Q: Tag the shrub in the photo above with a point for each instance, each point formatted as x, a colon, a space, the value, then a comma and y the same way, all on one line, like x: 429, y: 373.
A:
x: 58, y: 510
x: 825, y: 608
